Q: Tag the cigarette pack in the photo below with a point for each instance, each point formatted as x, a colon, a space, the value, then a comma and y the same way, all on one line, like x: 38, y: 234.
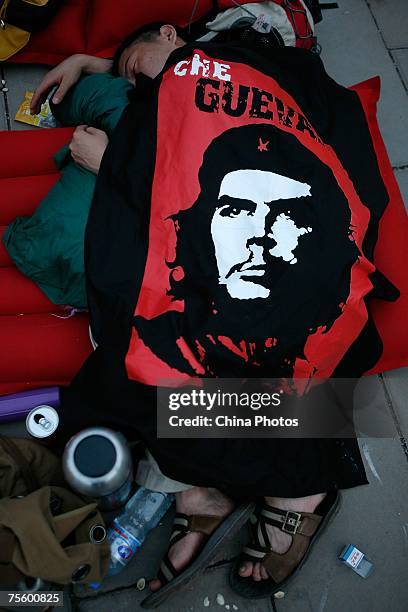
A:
x: 44, y: 119
x: 354, y: 558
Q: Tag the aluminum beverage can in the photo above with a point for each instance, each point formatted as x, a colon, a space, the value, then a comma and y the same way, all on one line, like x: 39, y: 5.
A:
x: 42, y: 421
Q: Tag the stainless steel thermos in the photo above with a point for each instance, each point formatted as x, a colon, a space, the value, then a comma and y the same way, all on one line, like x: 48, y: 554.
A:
x: 97, y: 463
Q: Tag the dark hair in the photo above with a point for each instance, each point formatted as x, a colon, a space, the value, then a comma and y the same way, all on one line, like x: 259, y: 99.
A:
x: 145, y: 33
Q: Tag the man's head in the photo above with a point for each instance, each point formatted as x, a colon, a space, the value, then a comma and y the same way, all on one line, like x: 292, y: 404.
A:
x: 146, y: 50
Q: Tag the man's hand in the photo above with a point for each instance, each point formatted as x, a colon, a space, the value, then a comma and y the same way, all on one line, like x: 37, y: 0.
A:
x: 88, y: 146
x: 65, y: 75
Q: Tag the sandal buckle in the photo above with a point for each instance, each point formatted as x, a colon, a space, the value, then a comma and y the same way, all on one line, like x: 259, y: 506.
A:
x: 292, y: 522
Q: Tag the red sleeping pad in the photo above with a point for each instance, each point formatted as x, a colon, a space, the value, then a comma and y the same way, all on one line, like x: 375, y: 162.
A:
x: 40, y: 349
x: 96, y: 27
x: 391, y: 252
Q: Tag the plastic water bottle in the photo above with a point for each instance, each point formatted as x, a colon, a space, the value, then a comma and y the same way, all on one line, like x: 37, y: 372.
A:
x: 129, y: 530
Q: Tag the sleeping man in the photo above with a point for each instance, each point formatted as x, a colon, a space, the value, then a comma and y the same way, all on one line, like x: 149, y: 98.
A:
x: 144, y: 52
x: 226, y: 238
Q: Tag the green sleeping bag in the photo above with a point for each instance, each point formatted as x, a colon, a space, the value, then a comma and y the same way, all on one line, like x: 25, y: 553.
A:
x: 48, y: 247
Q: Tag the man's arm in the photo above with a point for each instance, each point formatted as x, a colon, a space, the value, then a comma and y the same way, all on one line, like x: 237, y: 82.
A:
x: 65, y: 75
x: 87, y: 147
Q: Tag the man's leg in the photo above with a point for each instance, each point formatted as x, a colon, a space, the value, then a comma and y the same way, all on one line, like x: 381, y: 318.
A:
x: 149, y: 475
x: 189, y: 500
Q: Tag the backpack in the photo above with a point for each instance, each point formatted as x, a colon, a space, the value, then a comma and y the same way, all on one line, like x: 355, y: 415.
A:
x: 45, y: 529
x: 280, y: 22
x: 19, y: 18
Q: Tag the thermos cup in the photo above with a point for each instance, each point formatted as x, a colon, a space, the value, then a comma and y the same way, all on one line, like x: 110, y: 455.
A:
x: 97, y: 463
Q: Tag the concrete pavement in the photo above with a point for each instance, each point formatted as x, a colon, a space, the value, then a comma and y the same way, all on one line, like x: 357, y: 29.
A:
x: 360, y: 38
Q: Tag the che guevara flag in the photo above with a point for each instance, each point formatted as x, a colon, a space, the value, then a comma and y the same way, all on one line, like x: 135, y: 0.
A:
x: 237, y: 222
x: 233, y: 234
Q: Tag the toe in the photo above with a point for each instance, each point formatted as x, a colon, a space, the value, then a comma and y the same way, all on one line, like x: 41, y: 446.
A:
x: 154, y: 585
x: 246, y: 569
x: 264, y: 573
x: 256, y: 572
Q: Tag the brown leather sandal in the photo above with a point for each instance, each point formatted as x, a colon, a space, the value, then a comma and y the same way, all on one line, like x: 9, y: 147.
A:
x: 216, y: 530
x: 304, y: 527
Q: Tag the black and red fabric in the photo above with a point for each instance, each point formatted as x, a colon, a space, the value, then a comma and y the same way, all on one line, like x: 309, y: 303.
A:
x: 193, y: 316
x: 393, y: 232
x: 25, y: 180
x: 179, y: 288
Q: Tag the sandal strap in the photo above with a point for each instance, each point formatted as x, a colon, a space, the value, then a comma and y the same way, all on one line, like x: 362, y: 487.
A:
x: 202, y: 523
x: 254, y: 552
x: 182, y: 525
x: 167, y: 571
x: 289, y: 521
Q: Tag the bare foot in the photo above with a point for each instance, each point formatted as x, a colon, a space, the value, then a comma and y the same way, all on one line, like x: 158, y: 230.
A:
x: 197, y: 500
x: 279, y: 540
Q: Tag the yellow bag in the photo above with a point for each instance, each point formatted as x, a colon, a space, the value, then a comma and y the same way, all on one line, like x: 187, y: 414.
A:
x: 19, y: 18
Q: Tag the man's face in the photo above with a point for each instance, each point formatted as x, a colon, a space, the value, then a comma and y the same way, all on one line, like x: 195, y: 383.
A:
x: 148, y: 57
x: 247, y: 232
